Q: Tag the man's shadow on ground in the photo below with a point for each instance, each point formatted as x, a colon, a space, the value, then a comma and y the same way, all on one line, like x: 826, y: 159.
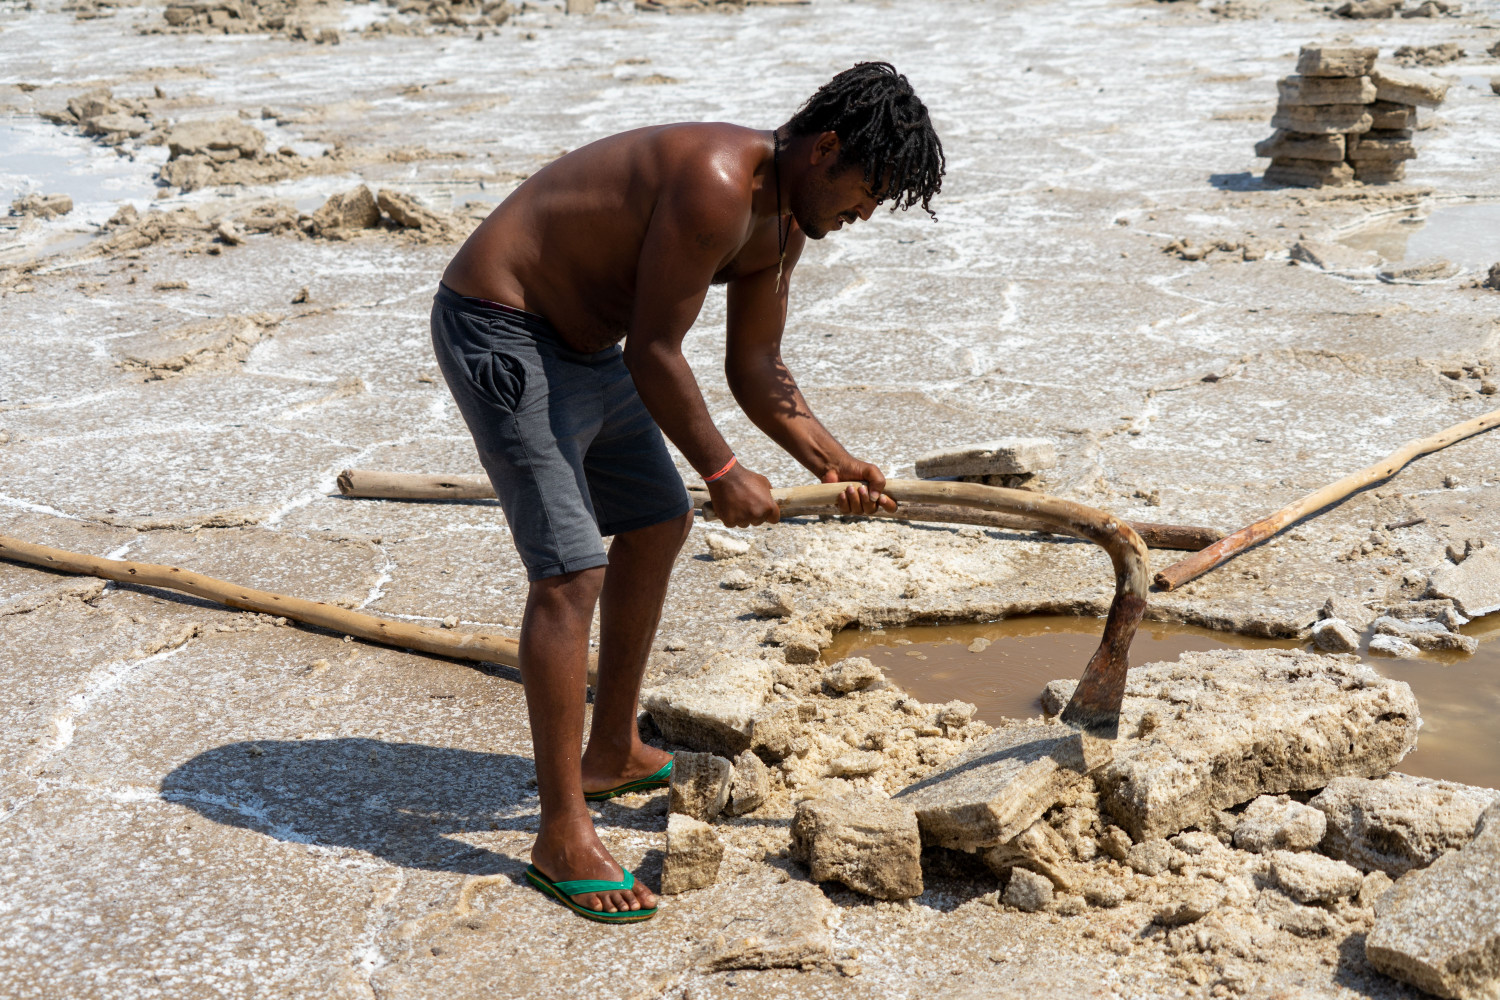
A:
x: 398, y: 801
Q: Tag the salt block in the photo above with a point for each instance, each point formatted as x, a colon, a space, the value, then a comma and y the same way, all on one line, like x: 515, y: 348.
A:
x: 870, y: 844
x: 776, y: 927
x: 1315, y: 90
x: 202, y: 136
x: 1276, y: 823
x: 723, y: 708
x: 990, y: 793
x: 1379, y: 172
x: 749, y: 786
x: 1316, y: 60
x: 1388, y: 148
x: 694, y: 853
x: 1473, y: 585
x: 1427, y: 635
x: 1302, y: 146
x: 853, y: 674
x: 1312, y: 878
x: 1322, y: 118
x: 353, y: 209
x: 1008, y: 456
x: 1027, y: 891
x: 1349, y: 610
x: 1228, y: 725
x: 1290, y: 172
x: 1388, y: 114
x: 1399, y: 822
x: 1393, y: 646
x: 700, y: 785
x: 722, y: 546
x: 1439, y: 929
x: 1335, y: 636
x: 1406, y: 86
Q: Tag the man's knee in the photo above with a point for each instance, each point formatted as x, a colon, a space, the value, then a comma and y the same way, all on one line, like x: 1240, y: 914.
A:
x: 568, y: 589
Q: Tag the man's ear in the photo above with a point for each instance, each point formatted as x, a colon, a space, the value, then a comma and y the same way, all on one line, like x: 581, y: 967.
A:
x: 827, y: 145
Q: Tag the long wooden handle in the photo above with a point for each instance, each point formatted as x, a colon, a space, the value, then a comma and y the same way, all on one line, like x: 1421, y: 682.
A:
x: 1095, y: 705
x: 378, y: 485
x: 477, y: 646
x: 1230, y: 546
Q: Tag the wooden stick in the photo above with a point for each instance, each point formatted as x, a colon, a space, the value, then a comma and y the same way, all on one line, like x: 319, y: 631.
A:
x: 1230, y: 546
x: 477, y: 646
x: 410, y: 486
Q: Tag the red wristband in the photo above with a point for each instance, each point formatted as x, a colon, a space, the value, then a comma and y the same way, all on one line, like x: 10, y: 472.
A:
x: 720, y: 474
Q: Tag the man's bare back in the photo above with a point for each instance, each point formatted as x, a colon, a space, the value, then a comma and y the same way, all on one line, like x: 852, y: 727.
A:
x: 567, y: 244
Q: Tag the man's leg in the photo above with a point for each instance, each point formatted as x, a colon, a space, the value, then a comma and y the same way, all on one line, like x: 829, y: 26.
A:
x: 554, y: 670
x: 635, y: 585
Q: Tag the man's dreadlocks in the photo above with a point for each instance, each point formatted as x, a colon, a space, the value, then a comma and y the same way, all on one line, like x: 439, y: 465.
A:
x: 882, y: 126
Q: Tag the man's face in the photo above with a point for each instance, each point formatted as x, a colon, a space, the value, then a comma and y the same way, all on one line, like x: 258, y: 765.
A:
x: 835, y: 194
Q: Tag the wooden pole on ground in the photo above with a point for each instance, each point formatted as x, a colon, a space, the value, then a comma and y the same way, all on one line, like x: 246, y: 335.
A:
x: 377, y: 485
x: 477, y: 646
x: 1230, y: 546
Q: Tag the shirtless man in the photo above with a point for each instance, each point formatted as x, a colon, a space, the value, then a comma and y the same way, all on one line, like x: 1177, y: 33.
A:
x: 620, y: 240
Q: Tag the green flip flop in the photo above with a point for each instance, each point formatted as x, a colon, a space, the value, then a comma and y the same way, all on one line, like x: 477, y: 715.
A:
x: 564, y: 891
x: 661, y: 779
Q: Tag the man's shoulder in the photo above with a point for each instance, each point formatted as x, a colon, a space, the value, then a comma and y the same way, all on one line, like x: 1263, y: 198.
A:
x: 715, y: 155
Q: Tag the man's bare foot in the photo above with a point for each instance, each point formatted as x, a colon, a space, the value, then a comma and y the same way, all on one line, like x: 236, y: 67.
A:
x: 603, y: 769
x: 575, y: 852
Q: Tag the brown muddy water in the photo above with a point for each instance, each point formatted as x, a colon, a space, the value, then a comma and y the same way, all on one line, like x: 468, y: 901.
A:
x: 1002, y: 666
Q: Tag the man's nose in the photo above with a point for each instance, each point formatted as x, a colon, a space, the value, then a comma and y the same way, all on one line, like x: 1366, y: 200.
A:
x: 866, y: 209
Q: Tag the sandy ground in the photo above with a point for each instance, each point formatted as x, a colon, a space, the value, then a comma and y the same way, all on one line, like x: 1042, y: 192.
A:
x: 195, y: 802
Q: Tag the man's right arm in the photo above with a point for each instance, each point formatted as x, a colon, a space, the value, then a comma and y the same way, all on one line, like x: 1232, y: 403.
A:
x: 694, y: 227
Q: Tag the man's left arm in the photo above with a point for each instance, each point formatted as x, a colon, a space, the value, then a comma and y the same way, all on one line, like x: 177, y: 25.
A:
x: 768, y: 394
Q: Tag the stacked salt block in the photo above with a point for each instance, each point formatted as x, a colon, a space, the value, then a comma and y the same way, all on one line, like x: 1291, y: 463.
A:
x: 1342, y: 118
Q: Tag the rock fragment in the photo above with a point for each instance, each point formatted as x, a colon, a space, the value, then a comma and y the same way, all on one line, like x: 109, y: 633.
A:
x: 1322, y: 119
x: 854, y: 674
x: 1302, y: 146
x: 722, y: 546
x: 750, y: 784
x: 1008, y: 456
x: 1319, y: 90
x: 1197, y: 902
x: 1348, y: 610
x: 1390, y: 115
x: 1317, y: 60
x: 1234, y: 724
x: 1150, y: 857
x: 1407, y: 86
x: 1293, y: 172
x: 1425, y: 634
x: 42, y: 206
x: 1386, y: 146
x: 1393, y: 646
x: 700, y: 785
x: 781, y: 928
x: 723, y: 708
x: 856, y: 764
x: 1332, y: 256
x: 219, y: 139
x: 1399, y: 822
x: 1335, y: 636
x: 994, y: 790
x: 1276, y: 823
x: 346, y: 213
x: 694, y: 853
x: 1473, y: 585
x: 1439, y: 929
x: 1312, y: 878
x: 408, y: 213
x: 1027, y: 891
x: 870, y: 844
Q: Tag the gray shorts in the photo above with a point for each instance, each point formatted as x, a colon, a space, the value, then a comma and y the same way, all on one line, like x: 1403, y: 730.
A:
x: 570, y: 448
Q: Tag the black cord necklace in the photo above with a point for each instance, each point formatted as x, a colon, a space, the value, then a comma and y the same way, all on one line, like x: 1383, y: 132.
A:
x: 781, y: 240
